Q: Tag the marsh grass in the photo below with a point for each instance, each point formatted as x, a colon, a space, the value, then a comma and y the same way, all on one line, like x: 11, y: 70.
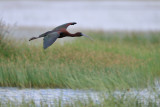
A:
x: 114, y: 60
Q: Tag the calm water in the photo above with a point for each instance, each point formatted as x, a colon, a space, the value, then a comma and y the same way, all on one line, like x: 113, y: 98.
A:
x: 49, y: 96
x: 104, y: 15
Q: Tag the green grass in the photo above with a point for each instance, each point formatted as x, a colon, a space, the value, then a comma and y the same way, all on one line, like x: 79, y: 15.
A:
x: 114, y: 60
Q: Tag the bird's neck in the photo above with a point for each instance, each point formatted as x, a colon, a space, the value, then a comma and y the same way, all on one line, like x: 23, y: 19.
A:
x: 71, y: 35
x: 74, y: 35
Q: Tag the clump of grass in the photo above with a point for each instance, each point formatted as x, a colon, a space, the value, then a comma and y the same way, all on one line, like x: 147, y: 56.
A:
x: 115, y: 60
x: 6, y: 45
x: 2, y: 31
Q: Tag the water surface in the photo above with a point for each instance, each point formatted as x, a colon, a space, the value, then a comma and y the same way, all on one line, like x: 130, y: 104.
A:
x: 67, y: 96
x: 99, y: 15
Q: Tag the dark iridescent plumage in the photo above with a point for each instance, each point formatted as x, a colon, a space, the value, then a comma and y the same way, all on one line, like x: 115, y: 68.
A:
x: 59, y: 32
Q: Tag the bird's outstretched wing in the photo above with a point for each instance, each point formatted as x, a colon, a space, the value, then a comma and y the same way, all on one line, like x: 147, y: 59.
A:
x: 64, y: 26
x: 50, y: 39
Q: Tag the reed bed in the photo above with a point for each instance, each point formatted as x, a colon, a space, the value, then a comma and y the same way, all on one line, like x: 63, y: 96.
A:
x: 114, y: 60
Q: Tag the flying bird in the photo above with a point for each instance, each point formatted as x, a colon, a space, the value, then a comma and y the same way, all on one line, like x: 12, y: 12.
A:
x: 59, y: 32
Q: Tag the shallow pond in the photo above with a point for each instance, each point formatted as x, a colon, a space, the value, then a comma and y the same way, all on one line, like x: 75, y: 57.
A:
x: 49, y: 96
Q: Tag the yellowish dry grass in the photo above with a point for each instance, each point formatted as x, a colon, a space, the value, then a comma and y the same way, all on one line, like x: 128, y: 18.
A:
x: 110, y: 62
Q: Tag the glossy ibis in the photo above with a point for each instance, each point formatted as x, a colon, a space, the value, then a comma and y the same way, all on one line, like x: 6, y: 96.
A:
x: 59, y: 32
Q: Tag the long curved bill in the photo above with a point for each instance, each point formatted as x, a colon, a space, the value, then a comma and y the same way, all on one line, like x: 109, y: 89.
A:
x: 87, y: 36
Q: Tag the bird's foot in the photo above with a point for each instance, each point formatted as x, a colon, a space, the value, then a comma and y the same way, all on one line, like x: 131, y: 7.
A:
x: 32, y: 38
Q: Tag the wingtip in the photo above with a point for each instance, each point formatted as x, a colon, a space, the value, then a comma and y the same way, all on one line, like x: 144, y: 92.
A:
x: 73, y: 23
x: 45, y: 48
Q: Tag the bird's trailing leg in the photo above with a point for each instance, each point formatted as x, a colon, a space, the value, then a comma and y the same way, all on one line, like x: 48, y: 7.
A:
x: 42, y: 35
x: 33, y: 38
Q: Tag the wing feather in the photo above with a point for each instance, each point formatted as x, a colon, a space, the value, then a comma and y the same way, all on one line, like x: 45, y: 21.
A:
x: 64, y: 26
x: 50, y: 39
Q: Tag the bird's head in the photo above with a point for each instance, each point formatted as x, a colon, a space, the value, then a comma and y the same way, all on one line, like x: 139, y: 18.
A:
x: 81, y: 34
